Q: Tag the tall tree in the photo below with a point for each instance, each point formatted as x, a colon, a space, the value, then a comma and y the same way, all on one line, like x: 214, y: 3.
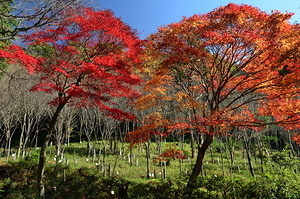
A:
x: 5, y: 25
x: 86, y: 60
x: 227, y: 68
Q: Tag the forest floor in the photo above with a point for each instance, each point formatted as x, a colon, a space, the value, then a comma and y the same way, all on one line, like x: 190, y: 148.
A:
x: 226, y: 170
x: 117, y: 158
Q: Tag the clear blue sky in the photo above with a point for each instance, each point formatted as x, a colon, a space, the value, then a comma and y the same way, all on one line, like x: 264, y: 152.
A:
x: 147, y: 15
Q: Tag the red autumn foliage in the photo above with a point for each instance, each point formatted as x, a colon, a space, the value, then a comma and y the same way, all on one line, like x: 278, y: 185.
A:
x: 225, y: 70
x: 170, y: 154
x: 173, y: 154
x: 88, y: 59
x: 296, y: 138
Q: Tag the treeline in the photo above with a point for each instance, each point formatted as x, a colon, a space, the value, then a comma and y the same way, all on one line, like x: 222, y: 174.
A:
x: 25, y: 116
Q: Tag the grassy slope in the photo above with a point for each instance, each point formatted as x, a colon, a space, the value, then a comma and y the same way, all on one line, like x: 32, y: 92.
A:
x: 118, y: 163
x: 222, y: 178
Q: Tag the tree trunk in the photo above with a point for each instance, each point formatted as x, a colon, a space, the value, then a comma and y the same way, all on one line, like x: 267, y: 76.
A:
x: 199, y: 162
x: 247, y: 147
x: 42, y: 158
x: 88, y: 147
x: 58, y: 153
x: 147, y: 144
x: 21, y: 143
x: 192, y: 141
x: 261, y: 154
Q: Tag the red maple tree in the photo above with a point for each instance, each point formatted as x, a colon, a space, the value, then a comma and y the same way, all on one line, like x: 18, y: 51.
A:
x: 85, y: 60
x: 225, y: 69
x: 170, y: 154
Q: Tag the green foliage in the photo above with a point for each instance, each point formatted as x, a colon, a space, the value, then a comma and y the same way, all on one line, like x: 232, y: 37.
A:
x: 281, y: 184
x: 153, y: 189
x: 42, y: 50
x: 85, y: 180
x: 79, y: 183
x: 19, y: 179
x: 6, y: 23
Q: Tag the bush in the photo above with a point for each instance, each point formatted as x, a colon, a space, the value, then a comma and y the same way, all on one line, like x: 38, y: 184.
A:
x: 214, y: 186
x: 282, y: 184
x: 18, y: 181
x: 153, y: 189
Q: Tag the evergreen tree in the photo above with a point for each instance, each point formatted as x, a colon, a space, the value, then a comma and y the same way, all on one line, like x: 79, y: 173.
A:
x: 6, y: 24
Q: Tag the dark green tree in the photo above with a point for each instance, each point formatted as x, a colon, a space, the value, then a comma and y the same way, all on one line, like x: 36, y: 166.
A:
x: 6, y: 25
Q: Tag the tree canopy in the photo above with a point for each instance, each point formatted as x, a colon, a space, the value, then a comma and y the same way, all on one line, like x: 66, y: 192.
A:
x: 235, y: 68
x: 230, y: 68
x: 85, y: 60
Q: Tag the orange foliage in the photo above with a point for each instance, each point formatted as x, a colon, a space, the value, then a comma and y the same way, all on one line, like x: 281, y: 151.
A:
x: 153, y: 125
x: 296, y: 138
x: 170, y: 154
x: 225, y: 69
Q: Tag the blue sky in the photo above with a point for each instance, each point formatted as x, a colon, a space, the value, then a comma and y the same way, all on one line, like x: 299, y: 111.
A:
x: 147, y: 15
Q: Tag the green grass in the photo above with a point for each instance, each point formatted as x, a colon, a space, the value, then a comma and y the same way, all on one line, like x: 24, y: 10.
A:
x: 123, y: 162
x: 107, y: 168
x: 130, y: 164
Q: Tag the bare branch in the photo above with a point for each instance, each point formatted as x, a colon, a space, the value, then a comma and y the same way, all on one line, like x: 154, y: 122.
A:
x: 29, y: 14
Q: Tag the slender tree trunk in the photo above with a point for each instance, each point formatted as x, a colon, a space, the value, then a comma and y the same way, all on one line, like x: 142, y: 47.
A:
x: 291, y: 145
x: 247, y: 147
x: 88, y: 147
x: 192, y: 141
x: 261, y: 155
x: 222, y: 161
x: 147, y: 144
x: 230, y: 147
x: 58, y: 153
x: 7, y: 144
x: 8, y: 147
x: 199, y: 162
x: 42, y: 158
x: 21, y: 142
